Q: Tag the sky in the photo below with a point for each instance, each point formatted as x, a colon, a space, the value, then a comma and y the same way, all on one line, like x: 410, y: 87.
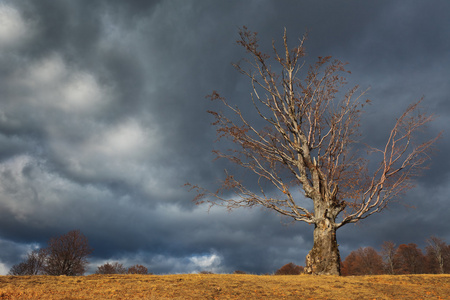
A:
x: 103, y: 120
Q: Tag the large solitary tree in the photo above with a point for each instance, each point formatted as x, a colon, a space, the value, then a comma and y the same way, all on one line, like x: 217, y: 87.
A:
x: 307, y: 140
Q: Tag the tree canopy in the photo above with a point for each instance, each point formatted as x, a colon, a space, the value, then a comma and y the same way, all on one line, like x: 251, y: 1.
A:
x: 309, y: 142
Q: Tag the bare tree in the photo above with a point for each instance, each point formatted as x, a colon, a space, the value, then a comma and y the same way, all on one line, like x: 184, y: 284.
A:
x: 111, y: 268
x: 309, y: 143
x: 105, y: 269
x: 33, y: 265
x: 67, y: 254
x: 137, y: 269
x: 388, y: 250
x: 436, y: 250
x: 20, y: 269
x: 447, y: 259
x: 409, y: 259
x: 363, y: 261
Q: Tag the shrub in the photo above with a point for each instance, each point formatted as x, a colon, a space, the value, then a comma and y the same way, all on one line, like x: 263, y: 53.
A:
x: 289, y: 269
x: 137, y: 269
x: 111, y: 268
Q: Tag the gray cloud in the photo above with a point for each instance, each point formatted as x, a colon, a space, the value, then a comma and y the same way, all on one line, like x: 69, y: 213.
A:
x: 103, y: 119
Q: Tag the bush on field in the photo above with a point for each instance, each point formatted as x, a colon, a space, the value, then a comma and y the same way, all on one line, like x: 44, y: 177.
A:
x: 137, y: 269
x: 111, y: 268
x: 289, y: 269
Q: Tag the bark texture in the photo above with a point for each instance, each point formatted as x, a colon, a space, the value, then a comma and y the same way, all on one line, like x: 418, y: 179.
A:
x: 324, y: 257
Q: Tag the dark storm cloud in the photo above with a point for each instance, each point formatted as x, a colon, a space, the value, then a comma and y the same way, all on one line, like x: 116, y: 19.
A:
x: 103, y: 119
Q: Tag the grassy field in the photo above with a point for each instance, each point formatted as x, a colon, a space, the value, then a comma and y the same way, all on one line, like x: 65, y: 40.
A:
x: 196, y: 286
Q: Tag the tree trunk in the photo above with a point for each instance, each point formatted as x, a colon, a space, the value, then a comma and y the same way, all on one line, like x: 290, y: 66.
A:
x: 441, y: 262
x: 324, y: 258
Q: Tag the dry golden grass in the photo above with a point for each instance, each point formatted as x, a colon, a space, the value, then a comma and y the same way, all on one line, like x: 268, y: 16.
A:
x: 195, y: 286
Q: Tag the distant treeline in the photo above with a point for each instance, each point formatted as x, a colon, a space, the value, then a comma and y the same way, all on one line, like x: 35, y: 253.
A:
x: 391, y: 259
x: 67, y: 255
x: 402, y: 259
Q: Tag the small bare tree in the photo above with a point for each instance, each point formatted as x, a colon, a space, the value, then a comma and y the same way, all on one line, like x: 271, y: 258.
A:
x: 388, y: 250
x: 364, y: 261
x: 33, y: 265
x: 20, y: 269
x: 409, y: 259
x: 67, y: 254
x: 309, y: 143
x: 111, y: 268
x: 437, y: 251
x: 138, y: 269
